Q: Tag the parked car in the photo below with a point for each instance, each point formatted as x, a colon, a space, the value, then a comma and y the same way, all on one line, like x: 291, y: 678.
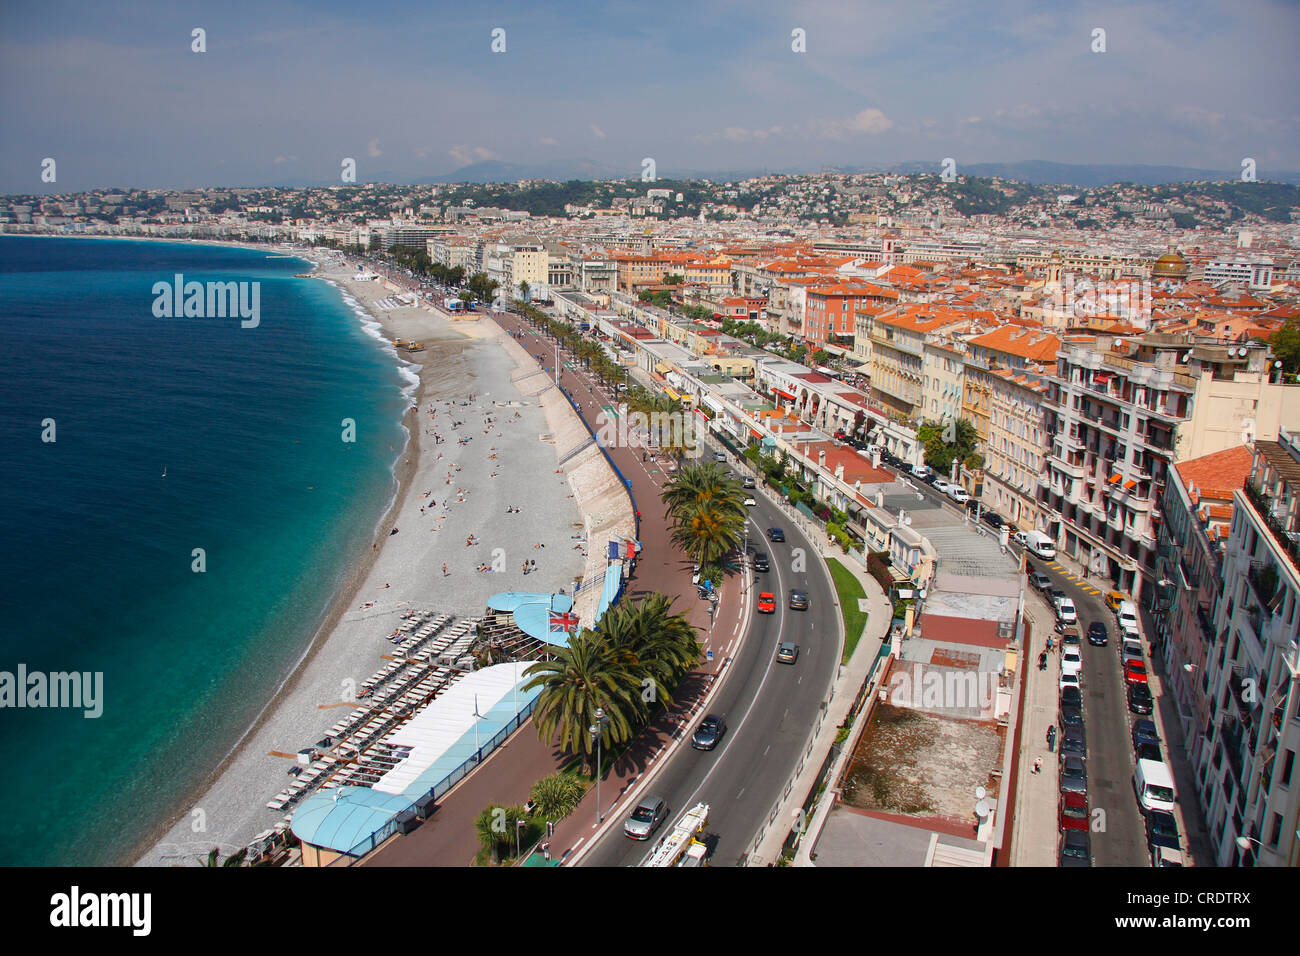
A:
x: 646, y: 818
x: 1070, y: 682
x: 1040, y: 581
x: 766, y: 603
x: 1073, y: 811
x: 1115, y: 598
x: 958, y: 494
x: 787, y: 652
x: 1076, y: 849
x: 1097, y: 635
x: 1070, y: 637
x: 1056, y: 596
x: 1148, y: 751
x: 760, y: 562
x: 920, y: 471
x: 1065, y: 612
x: 1071, y: 715
x: 941, y: 486
x: 1073, y: 776
x: 1135, y: 672
x: 1127, y: 617
x: 993, y: 520
x: 1139, y: 698
x: 1131, y: 651
x: 750, y: 502
x: 1162, y: 830
x: 710, y: 731
x: 1071, y: 660
x: 1145, y: 730
x: 1074, y: 742
x: 720, y: 456
x: 798, y: 599
x: 775, y: 534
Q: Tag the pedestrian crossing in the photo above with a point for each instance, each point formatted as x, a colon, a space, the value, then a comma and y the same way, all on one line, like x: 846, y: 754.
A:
x: 1071, y: 576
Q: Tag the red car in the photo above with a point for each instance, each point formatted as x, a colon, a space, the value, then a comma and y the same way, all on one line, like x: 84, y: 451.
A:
x: 767, y: 603
x: 1135, y: 672
x: 1073, y: 811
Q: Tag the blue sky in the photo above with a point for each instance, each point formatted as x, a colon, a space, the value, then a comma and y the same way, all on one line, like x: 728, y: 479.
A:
x: 410, y: 90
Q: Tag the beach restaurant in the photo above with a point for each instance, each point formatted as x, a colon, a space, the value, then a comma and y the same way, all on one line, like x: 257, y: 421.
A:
x: 442, y: 743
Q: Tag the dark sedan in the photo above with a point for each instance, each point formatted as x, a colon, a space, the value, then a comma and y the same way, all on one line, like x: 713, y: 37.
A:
x: 760, y: 561
x: 1076, y: 849
x: 710, y: 732
x: 1162, y: 830
x: 1071, y: 716
x: 1074, y: 742
x: 1139, y: 699
x: 775, y: 534
x: 1073, y: 775
x: 1097, y: 635
x: 1145, y: 730
x: 993, y: 520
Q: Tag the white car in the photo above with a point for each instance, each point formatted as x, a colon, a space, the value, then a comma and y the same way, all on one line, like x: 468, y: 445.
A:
x: 1070, y: 679
x: 1071, y: 661
x: 751, y: 502
x: 941, y: 486
x: 1066, y: 613
x: 958, y: 494
x: 920, y: 471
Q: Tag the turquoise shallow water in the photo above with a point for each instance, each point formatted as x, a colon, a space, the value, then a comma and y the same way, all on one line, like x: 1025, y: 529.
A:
x: 96, y: 557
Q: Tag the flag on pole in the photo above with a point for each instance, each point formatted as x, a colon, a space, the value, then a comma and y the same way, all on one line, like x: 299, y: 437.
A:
x: 561, y: 623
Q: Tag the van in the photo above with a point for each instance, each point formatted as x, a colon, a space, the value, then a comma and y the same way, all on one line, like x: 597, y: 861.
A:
x: 1040, y: 545
x: 1154, y: 786
x: 1127, y: 616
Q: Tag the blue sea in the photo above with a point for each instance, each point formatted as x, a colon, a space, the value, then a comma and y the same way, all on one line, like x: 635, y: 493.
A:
x: 98, y: 559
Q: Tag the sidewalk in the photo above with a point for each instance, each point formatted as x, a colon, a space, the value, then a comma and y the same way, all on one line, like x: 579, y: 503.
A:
x: 1035, y: 832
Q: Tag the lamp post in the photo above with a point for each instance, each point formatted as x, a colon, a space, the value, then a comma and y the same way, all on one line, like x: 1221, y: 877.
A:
x: 597, y: 731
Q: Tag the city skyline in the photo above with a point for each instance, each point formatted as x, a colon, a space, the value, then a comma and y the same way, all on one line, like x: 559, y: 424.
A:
x: 417, y: 92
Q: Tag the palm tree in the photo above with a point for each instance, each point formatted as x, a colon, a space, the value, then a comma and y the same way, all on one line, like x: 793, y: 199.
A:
x: 654, y: 642
x: 575, y: 682
x: 709, y: 531
x: 556, y: 796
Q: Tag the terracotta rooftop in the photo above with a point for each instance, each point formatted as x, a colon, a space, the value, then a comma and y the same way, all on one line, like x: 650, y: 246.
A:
x: 1218, y: 475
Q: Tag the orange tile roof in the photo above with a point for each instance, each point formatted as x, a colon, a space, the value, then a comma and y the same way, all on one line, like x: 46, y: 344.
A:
x: 1216, y: 476
x: 1025, y: 343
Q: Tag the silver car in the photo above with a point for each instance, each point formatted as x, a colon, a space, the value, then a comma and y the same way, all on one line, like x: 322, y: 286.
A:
x: 645, y: 819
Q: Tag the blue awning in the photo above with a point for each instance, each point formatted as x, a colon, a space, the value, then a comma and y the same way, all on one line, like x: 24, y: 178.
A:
x: 533, y: 612
x: 345, y: 818
x: 613, y: 587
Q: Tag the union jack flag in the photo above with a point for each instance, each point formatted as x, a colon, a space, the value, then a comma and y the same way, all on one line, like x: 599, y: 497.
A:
x: 563, y: 623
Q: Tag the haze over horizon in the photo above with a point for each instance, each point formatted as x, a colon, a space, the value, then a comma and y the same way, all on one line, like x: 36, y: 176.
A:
x: 415, y: 92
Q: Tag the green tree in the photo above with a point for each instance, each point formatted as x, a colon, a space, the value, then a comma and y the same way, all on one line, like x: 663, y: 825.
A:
x: 496, y: 827
x: 1285, y: 343
x: 944, y: 442
x: 556, y: 796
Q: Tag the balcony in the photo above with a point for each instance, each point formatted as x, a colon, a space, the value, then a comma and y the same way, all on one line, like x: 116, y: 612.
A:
x: 1280, y: 533
x: 1263, y: 578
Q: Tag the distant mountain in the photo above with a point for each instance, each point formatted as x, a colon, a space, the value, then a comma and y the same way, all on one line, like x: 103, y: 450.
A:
x: 498, y: 171
x: 1040, y: 172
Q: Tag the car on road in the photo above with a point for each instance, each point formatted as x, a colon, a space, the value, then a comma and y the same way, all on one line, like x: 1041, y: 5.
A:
x: 1145, y: 730
x: 798, y: 599
x: 1148, y: 751
x: 767, y: 603
x: 1139, y: 698
x: 1073, y: 776
x: 646, y: 818
x: 760, y: 562
x: 1076, y: 849
x: 787, y: 652
x: 1071, y: 660
x: 1054, y: 595
x: 1135, y: 672
x: 940, y: 485
x: 720, y: 456
x: 920, y: 471
x: 1066, y: 613
x: 1115, y: 598
x: 992, y: 519
x: 1069, y: 681
x: 1073, y: 810
x: 775, y: 534
x: 750, y: 502
x: 1097, y: 635
x: 958, y: 494
x: 748, y: 482
x: 1074, y: 742
x: 710, y: 731
x: 1040, y: 581
x: 1162, y: 830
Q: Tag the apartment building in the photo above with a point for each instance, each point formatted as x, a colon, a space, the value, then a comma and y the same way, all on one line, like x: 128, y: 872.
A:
x: 1246, y: 769
x: 1197, y: 506
x: 1120, y: 411
x: 830, y: 309
x: 898, y: 339
x: 943, y: 367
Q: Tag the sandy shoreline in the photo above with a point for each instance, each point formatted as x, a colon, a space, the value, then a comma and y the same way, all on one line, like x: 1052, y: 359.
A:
x: 404, y: 570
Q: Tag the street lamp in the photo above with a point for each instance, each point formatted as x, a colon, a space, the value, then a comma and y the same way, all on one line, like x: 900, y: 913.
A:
x: 597, y: 731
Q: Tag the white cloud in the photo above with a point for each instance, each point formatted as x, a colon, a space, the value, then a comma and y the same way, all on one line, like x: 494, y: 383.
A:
x: 871, y: 121
x: 597, y: 132
x: 467, y: 155
x: 373, y: 149
x: 548, y: 141
x: 285, y: 159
